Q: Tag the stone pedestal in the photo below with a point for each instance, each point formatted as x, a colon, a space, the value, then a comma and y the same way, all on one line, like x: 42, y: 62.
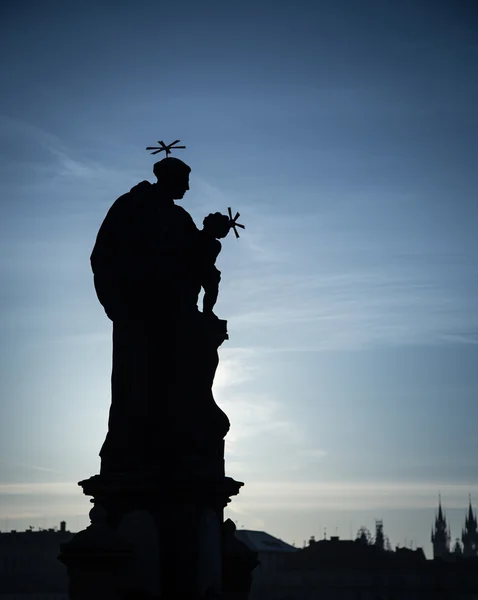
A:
x: 156, y: 539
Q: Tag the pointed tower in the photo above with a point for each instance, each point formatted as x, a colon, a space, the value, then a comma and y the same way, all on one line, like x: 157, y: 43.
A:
x: 440, y: 534
x: 379, y: 541
x: 469, y: 534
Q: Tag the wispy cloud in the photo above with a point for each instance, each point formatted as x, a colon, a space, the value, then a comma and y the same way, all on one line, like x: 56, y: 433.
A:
x: 340, y: 277
x: 259, y: 422
x: 48, y: 161
x: 37, y: 468
x: 14, y: 464
x: 43, y: 504
x: 306, y: 495
x: 70, y: 168
x: 57, y: 488
x: 350, y: 311
x: 250, y: 413
x: 236, y: 366
x: 19, y: 128
x: 347, y: 293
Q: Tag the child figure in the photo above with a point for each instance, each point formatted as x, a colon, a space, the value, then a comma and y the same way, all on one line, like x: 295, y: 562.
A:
x: 215, y: 226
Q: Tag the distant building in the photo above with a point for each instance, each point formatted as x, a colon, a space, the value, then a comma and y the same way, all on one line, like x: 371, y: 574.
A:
x: 29, y: 569
x: 336, y: 569
x: 441, y: 536
x: 469, y: 534
x: 271, y: 553
x: 365, y: 568
x: 379, y: 537
x: 330, y: 569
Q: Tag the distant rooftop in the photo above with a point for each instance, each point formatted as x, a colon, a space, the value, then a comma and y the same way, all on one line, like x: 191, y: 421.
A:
x: 39, y: 530
x: 348, y: 552
x: 260, y: 541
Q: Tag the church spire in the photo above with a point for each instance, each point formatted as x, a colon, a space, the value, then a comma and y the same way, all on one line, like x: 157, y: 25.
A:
x: 471, y: 517
x: 440, y: 533
x: 469, y: 534
x: 440, y: 512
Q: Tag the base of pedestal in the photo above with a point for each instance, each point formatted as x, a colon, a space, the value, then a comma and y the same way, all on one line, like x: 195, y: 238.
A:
x: 152, y: 539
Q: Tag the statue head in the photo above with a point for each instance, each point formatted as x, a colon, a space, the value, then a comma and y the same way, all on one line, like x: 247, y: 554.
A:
x: 173, y: 176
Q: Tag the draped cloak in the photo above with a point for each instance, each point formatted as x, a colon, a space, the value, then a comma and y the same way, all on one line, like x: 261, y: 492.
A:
x: 148, y: 267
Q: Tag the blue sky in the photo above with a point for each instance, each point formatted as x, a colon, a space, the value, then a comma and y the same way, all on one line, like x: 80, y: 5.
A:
x: 346, y: 135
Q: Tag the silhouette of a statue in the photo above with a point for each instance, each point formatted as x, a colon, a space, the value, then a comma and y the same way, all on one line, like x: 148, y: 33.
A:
x: 162, y: 478
x: 149, y: 263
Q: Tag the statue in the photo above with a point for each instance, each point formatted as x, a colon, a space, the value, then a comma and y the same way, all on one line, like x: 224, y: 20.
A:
x: 162, y: 478
x: 150, y: 262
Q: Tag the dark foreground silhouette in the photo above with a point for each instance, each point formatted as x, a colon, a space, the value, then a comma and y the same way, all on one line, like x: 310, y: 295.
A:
x: 150, y: 262
x: 157, y: 527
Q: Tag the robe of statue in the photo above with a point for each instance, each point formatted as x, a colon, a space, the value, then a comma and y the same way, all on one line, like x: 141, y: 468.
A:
x: 147, y: 266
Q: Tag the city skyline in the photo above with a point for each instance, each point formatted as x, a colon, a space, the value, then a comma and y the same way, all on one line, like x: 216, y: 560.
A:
x: 346, y: 136
x: 328, y: 531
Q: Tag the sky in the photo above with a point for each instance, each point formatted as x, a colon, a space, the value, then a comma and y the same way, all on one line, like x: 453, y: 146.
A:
x: 346, y: 135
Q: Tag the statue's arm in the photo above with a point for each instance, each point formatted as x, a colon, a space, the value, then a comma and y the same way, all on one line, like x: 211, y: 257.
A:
x: 211, y: 277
